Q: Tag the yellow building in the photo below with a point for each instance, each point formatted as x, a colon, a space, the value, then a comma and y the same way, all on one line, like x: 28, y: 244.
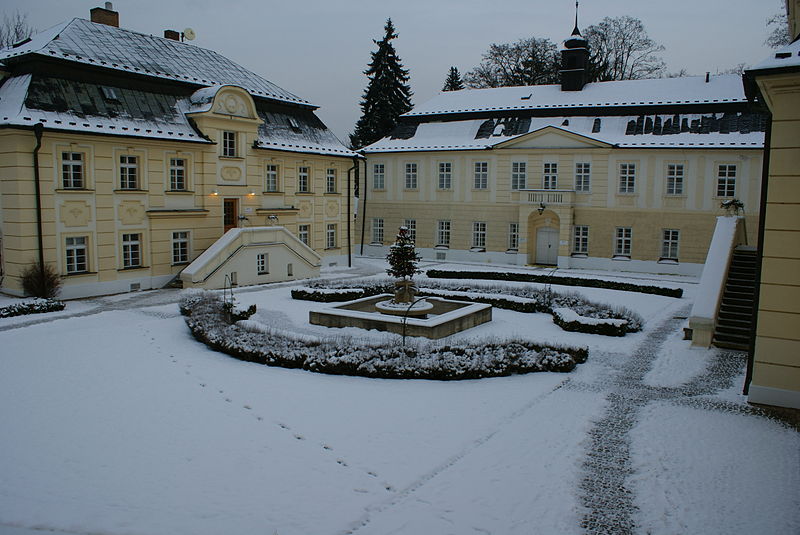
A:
x: 774, y: 377
x: 125, y: 156
x: 625, y: 175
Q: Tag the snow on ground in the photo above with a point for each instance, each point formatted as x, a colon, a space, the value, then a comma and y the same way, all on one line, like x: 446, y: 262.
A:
x: 678, y: 363
x: 116, y: 421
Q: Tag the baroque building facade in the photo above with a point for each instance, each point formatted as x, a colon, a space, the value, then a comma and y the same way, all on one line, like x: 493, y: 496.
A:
x: 125, y: 156
x: 625, y: 175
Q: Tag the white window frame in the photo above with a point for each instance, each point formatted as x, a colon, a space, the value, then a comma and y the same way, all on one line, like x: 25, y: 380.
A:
x: 580, y: 240
x: 271, y: 183
x: 670, y: 244
x: 480, y: 175
x: 304, y: 233
x: 76, y: 251
x: 583, y: 177
x: 513, y: 236
x: 726, y: 180
x: 131, y: 250
x: 627, y: 178
x: 378, y: 176
x: 377, y: 230
x: 330, y: 236
x: 330, y: 180
x: 443, y: 230
x: 180, y: 247
x: 177, y: 174
x: 229, y: 149
x: 411, y: 175
x: 411, y: 225
x: 550, y: 175
x: 73, y: 174
x: 128, y: 172
x: 479, y: 235
x: 623, y: 241
x: 519, y: 175
x: 445, y: 175
x: 262, y: 263
x: 303, y: 179
x: 675, y: 178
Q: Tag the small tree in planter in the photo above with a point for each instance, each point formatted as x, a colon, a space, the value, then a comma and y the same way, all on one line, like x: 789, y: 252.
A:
x: 403, y: 260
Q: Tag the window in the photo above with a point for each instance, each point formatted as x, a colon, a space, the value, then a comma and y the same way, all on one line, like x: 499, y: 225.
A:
x: 302, y: 180
x: 627, y: 177
x: 330, y: 181
x: 411, y: 225
x: 229, y: 144
x: 180, y: 247
x: 519, y: 175
x: 443, y: 234
x: 377, y: 230
x: 330, y: 236
x: 445, y: 175
x: 479, y: 235
x: 580, y: 244
x: 290, y: 270
x: 303, y: 232
x: 411, y: 176
x: 622, y: 241
x: 131, y: 251
x: 513, y: 236
x: 481, y: 175
x: 675, y: 179
x: 128, y: 172
x: 72, y: 170
x: 669, y: 244
x: 583, y: 177
x: 271, y: 178
x: 726, y: 180
x: 262, y: 263
x: 177, y: 174
x: 76, y: 255
x: 378, y: 176
x: 550, y: 175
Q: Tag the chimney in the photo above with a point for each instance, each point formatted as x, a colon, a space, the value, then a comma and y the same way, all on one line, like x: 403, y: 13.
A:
x: 106, y: 15
x: 172, y: 34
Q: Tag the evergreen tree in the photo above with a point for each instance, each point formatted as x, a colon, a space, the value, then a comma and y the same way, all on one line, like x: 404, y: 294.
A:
x: 403, y: 257
x: 453, y: 81
x: 387, y: 96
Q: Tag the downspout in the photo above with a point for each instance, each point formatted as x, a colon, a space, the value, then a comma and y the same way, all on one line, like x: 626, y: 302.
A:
x: 38, y: 130
x: 762, y: 217
x: 349, y: 215
x: 362, y: 206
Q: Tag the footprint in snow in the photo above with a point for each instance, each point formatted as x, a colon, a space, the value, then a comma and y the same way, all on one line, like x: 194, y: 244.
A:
x: 326, y: 447
x: 299, y: 437
x: 341, y: 461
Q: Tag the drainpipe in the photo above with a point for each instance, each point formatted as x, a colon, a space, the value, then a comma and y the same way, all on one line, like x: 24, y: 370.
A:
x: 762, y: 217
x: 38, y: 130
x: 349, y: 214
x: 362, y: 206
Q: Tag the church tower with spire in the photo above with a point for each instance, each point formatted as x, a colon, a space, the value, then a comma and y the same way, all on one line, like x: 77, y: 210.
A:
x: 575, y: 60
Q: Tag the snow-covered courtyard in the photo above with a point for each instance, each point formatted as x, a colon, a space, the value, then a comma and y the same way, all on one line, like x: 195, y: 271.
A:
x: 114, y: 420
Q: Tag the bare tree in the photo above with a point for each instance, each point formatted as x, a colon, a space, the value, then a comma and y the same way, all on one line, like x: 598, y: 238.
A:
x: 621, y: 50
x: 530, y: 61
x: 14, y: 29
x: 779, y: 35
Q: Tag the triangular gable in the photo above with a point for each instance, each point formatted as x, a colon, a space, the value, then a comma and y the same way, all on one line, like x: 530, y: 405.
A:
x: 552, y: 137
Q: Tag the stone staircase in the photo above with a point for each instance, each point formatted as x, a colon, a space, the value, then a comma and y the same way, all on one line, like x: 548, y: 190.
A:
x: 735, y: 319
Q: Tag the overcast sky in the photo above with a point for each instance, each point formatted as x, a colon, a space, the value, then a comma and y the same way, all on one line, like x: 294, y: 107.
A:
x: 318, y: 49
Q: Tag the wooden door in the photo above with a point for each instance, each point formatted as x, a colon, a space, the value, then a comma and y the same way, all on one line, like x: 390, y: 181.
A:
x: 230, y: 213
x: 547, y: 246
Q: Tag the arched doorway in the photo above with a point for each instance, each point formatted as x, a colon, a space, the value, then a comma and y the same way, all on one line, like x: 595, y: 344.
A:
x: 543, y: 241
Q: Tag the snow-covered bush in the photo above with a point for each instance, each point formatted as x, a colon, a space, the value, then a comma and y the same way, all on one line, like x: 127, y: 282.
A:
x: 429, y: 360
x: 569, y: 320
x: 517, y: 298
x: 35, y: 306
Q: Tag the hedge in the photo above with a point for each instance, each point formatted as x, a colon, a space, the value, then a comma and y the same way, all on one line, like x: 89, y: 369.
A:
x: 37, y: 306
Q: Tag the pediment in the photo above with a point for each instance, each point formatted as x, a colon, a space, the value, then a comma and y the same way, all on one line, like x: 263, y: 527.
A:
x: 552, y: 137
x: 233, y: 101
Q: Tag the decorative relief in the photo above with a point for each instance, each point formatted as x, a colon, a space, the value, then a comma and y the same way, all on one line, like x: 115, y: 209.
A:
x: 231, y: 104
x: 75, y: 213
x: 231, y: 174
x: 332, y: 209
x: 305, y: 209
x: 131, y: 212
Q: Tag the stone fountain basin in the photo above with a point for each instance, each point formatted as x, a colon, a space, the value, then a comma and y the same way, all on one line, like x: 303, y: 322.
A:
x: 444, y: 318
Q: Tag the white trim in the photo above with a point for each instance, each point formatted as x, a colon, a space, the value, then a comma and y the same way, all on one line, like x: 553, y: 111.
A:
x: 779, y: 397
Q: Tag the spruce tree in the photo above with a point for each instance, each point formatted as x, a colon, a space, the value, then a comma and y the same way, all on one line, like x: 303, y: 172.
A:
x: 453, y: 81
x: 387, y: 95
x: 403, y: 256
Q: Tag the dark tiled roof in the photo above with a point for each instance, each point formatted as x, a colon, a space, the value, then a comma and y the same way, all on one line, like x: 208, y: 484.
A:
x: 296, y: 130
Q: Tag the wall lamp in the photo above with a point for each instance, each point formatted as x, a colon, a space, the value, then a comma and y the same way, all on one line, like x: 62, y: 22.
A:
x: 214, y: 192
x: 541, y: 208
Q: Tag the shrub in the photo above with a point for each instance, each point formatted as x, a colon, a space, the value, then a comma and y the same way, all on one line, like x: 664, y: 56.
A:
x: 37, y: 306
x: 41, y: 280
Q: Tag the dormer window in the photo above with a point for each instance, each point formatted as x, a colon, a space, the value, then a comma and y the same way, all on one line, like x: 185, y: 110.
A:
x: 109, y: 94
x: 294, y: 124
x: 229, y: 144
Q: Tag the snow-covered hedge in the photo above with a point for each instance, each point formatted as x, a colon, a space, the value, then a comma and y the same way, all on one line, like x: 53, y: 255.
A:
x: 561, y: 281
x: 35, y: 306
x: 518, y: 299
x: 205, y: 317
x: 569, y: 320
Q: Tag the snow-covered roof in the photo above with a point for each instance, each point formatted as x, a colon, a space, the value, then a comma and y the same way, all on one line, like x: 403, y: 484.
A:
x: 788, y: 56
x: 712, y: 130
x: 108, y: 47
x: 725, y: 88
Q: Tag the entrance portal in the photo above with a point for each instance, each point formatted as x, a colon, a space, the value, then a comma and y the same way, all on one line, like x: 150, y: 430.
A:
x: 547, y: 246
x: 230, y: 214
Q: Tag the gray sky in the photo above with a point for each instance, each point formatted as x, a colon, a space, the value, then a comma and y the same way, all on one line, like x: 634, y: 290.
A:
x: 318, y: 49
